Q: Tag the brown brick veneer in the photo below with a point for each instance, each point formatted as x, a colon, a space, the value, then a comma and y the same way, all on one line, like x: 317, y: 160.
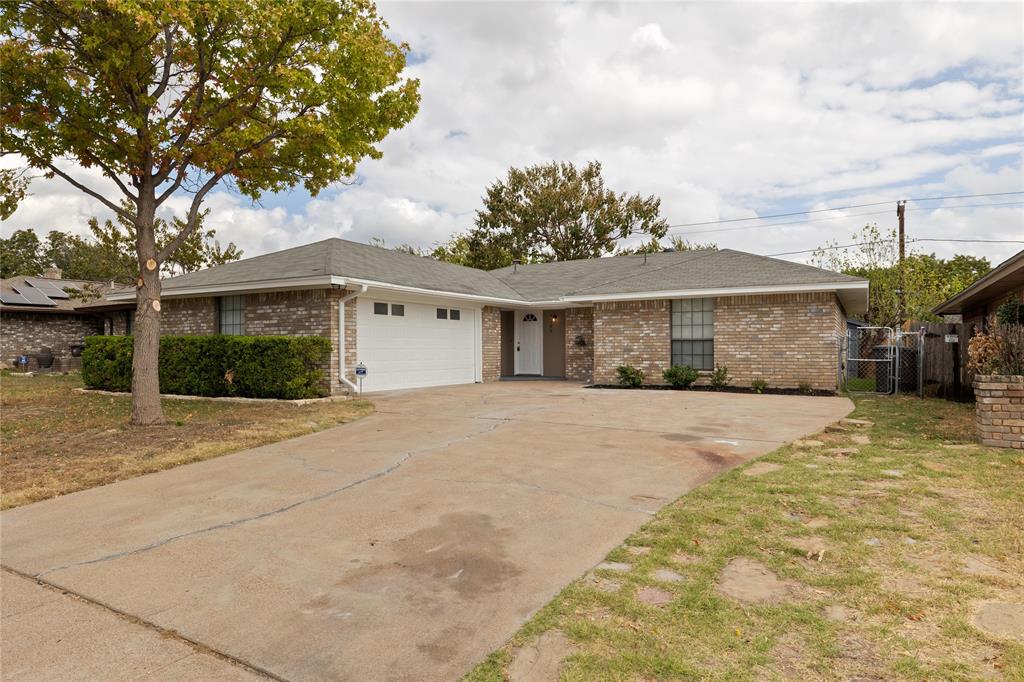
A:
x: 490, y: 322
x: 631, y: 332
x: 579, y: 360
x: 786, y: 339
x: 28, y: 333
x: 999, y: 410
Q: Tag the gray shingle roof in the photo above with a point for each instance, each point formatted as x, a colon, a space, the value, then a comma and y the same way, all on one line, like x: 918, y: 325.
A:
x: 670, y: 271
x: 343, y: 258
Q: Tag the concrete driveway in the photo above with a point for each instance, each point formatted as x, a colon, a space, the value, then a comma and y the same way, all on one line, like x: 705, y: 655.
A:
x: 405, y: 546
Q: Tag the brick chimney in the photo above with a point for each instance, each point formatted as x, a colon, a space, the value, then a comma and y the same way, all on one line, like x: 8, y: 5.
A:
x: 52, y: 273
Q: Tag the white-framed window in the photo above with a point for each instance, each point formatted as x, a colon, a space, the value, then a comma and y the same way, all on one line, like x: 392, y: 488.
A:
x: 232, y: 315
x: 442, y: 313
x: 398, y: 310
x: 693, y: 332
x: 454, y: 314
x: 380, y: 308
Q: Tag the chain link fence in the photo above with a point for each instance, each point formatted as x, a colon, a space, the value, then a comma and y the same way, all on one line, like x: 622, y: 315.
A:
x: 881, y: 360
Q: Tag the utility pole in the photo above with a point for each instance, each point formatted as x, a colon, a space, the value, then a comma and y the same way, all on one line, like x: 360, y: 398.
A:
x: 901, y: 206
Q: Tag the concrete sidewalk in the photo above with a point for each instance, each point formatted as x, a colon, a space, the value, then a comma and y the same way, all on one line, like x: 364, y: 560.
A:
x: 406, y: 545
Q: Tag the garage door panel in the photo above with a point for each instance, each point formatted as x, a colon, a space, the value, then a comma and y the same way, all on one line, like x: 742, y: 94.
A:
x: 416, y: 349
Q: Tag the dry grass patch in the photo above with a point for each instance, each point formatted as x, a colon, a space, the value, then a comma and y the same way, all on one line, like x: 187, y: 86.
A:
x: 56, y: 441
x: 887, y: 576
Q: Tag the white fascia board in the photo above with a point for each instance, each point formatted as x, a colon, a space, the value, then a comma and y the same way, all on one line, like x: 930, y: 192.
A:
x: 430, y: 292
x: 217, y: 289
x: 727, y: 291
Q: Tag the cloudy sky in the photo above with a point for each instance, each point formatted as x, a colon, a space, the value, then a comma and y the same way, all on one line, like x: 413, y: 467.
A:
x: 723, y: 110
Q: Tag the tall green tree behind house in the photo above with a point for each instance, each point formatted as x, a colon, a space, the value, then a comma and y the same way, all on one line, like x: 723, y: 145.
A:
x: 552, y: 212
x: 168, y: 98
x: 929, y: 280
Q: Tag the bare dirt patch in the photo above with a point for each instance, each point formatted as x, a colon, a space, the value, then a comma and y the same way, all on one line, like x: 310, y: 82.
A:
x: 667, y: 575
x: 751, y: 582
x: 653, y: 596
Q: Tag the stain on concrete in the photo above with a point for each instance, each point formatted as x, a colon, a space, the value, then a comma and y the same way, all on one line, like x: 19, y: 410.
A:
x: 681, y: 437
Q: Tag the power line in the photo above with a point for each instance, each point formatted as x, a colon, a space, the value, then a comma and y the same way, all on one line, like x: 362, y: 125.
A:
x: 841, y: 208
x: 843, y: 217
x: 884, y: 241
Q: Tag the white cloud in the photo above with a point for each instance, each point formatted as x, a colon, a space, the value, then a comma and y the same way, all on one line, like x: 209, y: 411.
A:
x: 721, y: 109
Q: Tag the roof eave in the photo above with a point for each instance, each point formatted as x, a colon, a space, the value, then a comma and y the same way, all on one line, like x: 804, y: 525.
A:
x: 954, y: 304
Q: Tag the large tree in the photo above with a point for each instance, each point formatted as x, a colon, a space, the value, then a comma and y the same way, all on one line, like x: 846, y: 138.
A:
x: 166, y: 97
x: 552, y: 212
x: 929, y: 280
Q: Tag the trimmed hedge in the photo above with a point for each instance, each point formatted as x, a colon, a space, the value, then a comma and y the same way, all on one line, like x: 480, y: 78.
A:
x: 289, y: 367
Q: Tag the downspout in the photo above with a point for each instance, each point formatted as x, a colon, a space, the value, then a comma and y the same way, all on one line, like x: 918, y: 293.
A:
x: 341, y: 336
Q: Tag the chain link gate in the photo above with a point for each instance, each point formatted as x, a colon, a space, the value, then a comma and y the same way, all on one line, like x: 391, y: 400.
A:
x: 882, y: 360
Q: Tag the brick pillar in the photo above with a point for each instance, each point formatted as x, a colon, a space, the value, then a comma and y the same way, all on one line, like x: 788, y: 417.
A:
x: 490, y: 325
x: 999, y: 411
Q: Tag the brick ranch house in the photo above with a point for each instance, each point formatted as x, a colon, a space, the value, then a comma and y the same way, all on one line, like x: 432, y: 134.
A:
x: 414, y: 321
x: 38, y: 313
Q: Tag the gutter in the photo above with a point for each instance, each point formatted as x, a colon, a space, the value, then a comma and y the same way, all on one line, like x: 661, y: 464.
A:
x: 341, y: 336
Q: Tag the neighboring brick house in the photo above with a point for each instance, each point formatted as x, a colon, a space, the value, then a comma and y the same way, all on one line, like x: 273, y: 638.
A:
x: 411, y: 321
x: 977, y: 303
x: 42, y: 315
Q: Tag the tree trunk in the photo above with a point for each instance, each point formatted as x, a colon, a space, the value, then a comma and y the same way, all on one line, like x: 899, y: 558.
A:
x: 146, y: 407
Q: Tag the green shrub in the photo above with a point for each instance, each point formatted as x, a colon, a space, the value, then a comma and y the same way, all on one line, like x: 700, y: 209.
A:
x: 630, y: 376
x: 107, y: 363
x: 680, y: 376
x: 720, y: 377
x: 1010, y: 313
x: 288, y: 367
x: 759, y: 385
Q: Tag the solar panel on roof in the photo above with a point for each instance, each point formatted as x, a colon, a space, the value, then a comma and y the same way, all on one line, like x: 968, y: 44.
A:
x: 13, y: 298
x: 34, y: 296
x: 49, y: 288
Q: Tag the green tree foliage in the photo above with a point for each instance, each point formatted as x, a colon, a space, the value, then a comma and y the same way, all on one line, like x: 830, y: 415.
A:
x: 13, y: 187
x: 929, y: 280
x: 552, y: 212
x: 167, y: 98
x: 675, y: 243
x: 21, y: 254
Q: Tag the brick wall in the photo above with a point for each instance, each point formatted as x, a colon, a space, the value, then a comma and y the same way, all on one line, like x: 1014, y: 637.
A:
x: 27, y: 333
x: 631, y: 332
x: 999, y: 410
x: 188, y: 316
x: 579, y: 360
x: 490, y: 325
x: 786, y: 339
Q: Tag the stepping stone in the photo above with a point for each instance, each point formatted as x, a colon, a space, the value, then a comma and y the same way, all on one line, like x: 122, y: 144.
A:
x: 751, y: 582
x: 849, y: 421
x: 542, y: 660
x: 617, y: 566
x: 873, y: 542
x: 895, y: 473
x: 667, y: 575
x: 638, y: 551
x: 654, y: 596
x: 761, y: 468
x: 977, y: 566
x: 790, y: 516
x: 836, y: 428
x: 1001, y: 619
x: 937, y: 467
x: 811, y: 466
x: 605, y: 585
x: 909, y: 541
x: 860, y: 439
x: 808, y: 443
x: 839, y: 613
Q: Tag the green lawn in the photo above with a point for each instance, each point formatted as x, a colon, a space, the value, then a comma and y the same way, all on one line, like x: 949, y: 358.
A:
x: 918, y: 525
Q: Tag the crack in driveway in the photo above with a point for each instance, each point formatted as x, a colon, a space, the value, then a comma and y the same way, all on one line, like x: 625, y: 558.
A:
x: 405, y: 457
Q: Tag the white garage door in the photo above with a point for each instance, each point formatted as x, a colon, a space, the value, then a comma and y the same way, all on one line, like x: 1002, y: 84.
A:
x: 413, y: 344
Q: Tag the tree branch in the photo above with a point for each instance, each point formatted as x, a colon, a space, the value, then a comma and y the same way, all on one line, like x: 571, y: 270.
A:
x: 96, y: 195
x: 192, y: 222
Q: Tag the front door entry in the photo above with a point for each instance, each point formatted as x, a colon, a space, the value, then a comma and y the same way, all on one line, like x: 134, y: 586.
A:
x: 529, y: 339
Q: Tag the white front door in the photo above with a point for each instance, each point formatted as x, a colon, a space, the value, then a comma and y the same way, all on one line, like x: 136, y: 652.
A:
x: 529, y: 348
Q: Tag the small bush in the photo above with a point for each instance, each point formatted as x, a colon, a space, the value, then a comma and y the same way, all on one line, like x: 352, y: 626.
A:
x: 680, y: 376
x: 759, y: 385
x: 630, y: 376
x: 1010, y: 313
x: 288, y: 367
x: 720, y: 377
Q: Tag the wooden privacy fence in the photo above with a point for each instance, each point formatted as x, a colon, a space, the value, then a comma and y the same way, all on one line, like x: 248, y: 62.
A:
x: 942, y: 372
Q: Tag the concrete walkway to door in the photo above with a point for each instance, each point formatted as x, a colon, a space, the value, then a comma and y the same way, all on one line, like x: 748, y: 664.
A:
x: 404, y: 546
